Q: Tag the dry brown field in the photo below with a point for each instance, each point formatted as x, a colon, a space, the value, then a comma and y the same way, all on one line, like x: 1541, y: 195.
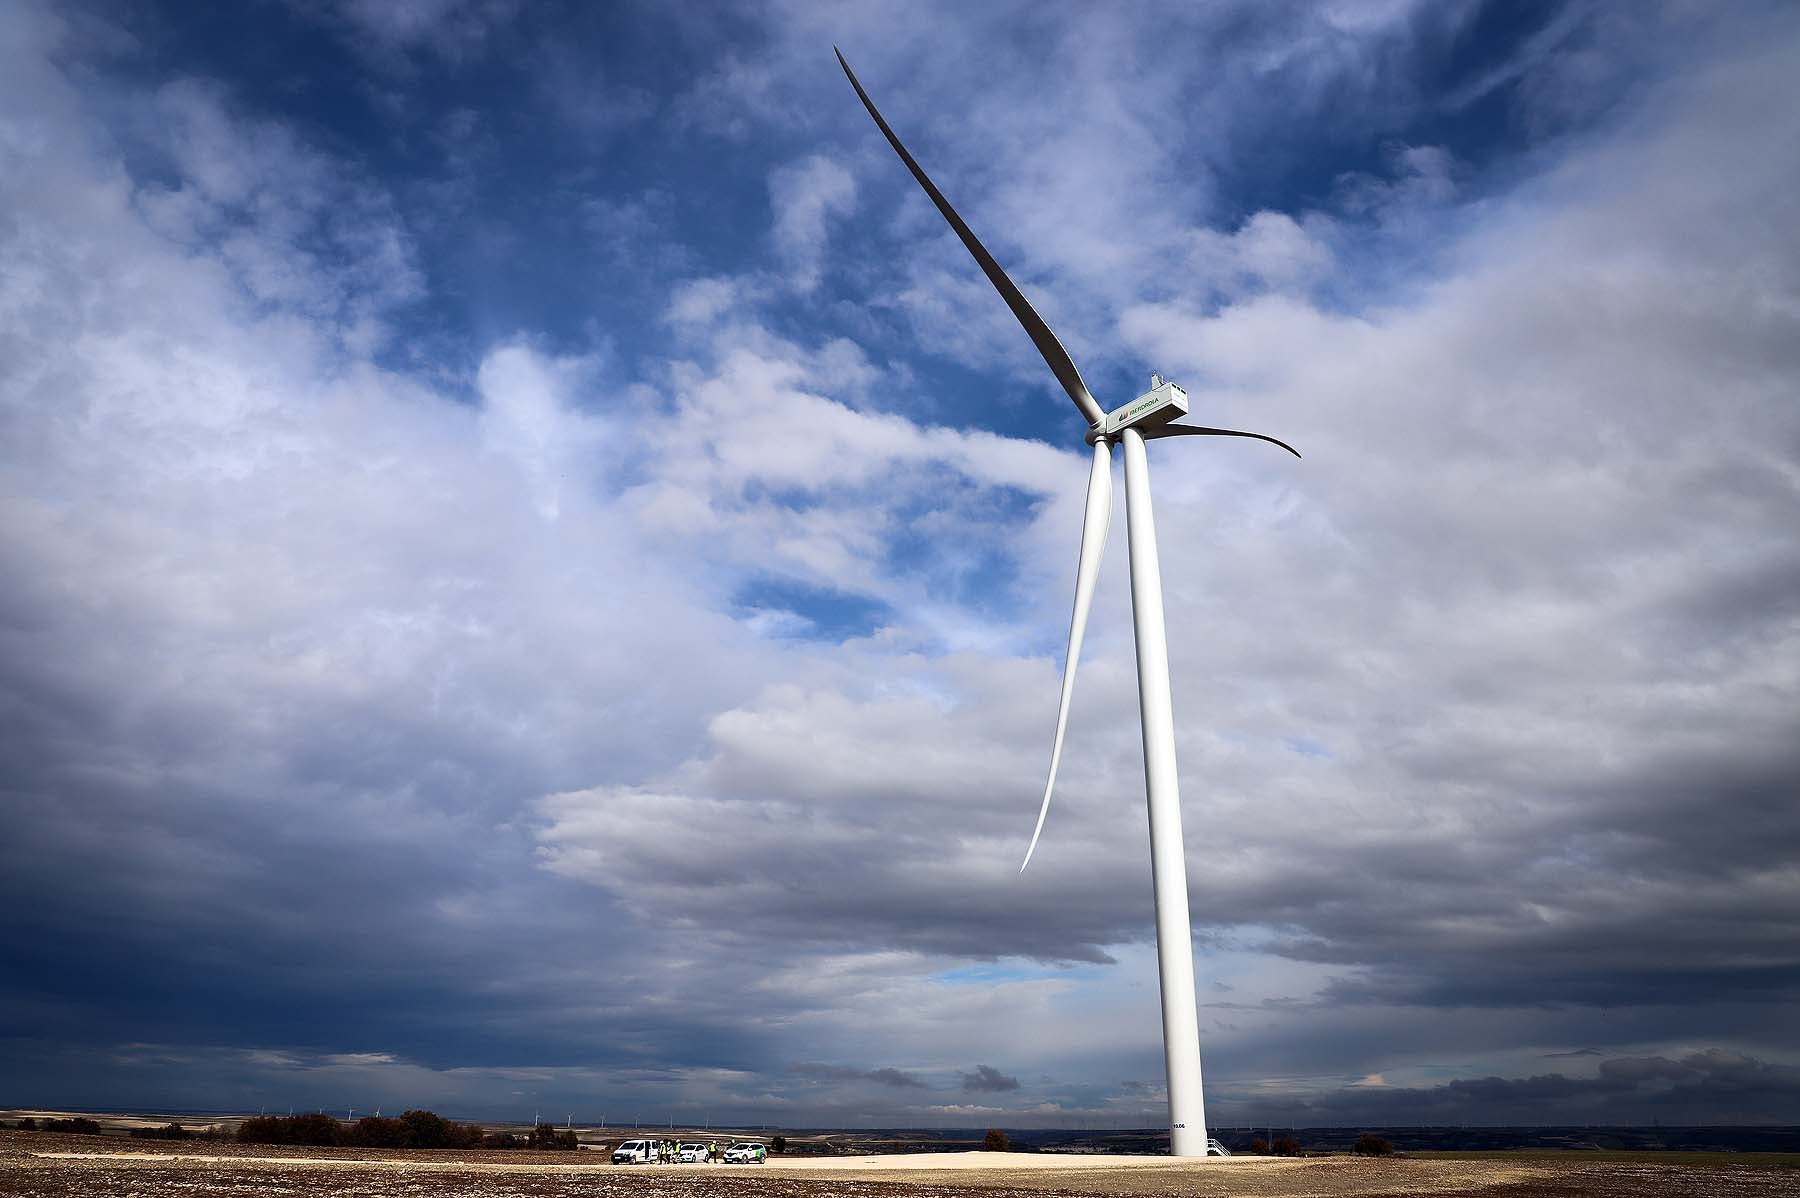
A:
x: 43, y: 1165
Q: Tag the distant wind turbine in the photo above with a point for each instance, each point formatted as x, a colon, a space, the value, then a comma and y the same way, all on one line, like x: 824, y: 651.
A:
x: 1149, y: 416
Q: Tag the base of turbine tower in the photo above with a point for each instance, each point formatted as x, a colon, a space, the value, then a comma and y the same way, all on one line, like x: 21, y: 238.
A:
x: 1187, y: 1141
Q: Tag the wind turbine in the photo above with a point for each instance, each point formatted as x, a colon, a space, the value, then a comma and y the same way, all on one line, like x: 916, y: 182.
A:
x: 1148, y: 417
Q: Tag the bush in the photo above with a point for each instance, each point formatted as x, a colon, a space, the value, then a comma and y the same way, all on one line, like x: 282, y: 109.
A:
x: 173, y: 1131
x: 1373, y: 1145
x: 995, y: 1140
x: 778, y: 1144
x: 452, y: 1135
x: 414, y: 1129
x: 320, y: 1131
x: 426, y: 1129
x: 1259, y: 1146
x: 78, y: 1125
x: 502, y: 1141
x: 1285, y: 1146
x: 547, y: 1137
x: 264, y: 1129
x: 28, y: 1124
x: 373, y: 1131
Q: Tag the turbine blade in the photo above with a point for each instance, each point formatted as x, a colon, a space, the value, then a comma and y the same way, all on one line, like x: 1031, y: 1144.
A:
x: 1200, y: 430
x: 1054, y: 354
x: 1094, y: 523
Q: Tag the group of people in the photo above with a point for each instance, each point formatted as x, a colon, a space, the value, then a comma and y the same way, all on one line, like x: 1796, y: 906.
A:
x: 669, y: 1152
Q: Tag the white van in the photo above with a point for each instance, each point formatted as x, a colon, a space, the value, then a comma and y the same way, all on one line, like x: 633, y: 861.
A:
x: 635, y: 1152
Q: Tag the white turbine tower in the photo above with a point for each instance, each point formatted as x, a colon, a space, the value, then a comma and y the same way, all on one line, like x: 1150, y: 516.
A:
x: 1147, y: 417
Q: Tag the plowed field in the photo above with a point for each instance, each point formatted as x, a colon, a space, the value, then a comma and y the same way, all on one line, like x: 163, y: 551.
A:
x: 47, y: 1166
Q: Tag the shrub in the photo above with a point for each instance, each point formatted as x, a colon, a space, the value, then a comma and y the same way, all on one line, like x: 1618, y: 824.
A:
x: 78, y: 1125
x: 173, y: 1131
x: 414, y: 1129
x: 1285, y: 1146
x: 778, y: 1144
x: 502, y: 1140
x: 28, y: 1124
x: 373, y: 1131
x: 547, y: 1137
x: 1259, y: 1146
x: 1372, y: 1145
x: 426, y: 1129
x: 260, y: 1130
x: 995, y: 1140
x: 317, y: 1130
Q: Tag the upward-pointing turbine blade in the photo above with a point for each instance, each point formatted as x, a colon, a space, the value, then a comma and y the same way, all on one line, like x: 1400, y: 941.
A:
x: 1094, y: 523
x: 1054, y: 354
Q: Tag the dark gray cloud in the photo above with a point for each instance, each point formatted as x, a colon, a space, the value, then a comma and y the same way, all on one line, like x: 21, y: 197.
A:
x: 1713, y: 1086
x: 988, y: 1080
x: 898, y: 1079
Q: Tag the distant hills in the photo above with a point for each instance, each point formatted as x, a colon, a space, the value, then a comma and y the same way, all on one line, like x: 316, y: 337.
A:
x: 1724, y: 1138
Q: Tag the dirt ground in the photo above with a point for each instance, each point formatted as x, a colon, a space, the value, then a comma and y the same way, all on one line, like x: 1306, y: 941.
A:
x: 60, y: 1166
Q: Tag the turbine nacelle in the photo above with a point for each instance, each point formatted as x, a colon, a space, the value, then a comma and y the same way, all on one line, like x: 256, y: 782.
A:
x: 1159, y: 405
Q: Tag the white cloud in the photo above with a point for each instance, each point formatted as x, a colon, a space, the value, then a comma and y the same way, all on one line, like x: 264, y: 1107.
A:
x: 704, y: 301
x: 1271, y: 249
x: 807, y: 196
x: 452, y: 28
x: 529, y: 417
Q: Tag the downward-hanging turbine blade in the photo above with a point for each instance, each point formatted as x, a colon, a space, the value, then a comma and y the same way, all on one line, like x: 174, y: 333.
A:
x: 1054, y: 354
x: 1094, y: 524
x: 1200, y: 430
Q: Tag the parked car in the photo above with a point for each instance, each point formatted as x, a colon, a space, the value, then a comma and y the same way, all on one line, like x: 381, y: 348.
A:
x: 1214, y: 1148
x: 691, y: 1153
x: 746, y: 1153
x: 635, y: 1152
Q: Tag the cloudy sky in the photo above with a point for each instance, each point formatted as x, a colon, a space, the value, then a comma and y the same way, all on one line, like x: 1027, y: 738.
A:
x: 533, y: 568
